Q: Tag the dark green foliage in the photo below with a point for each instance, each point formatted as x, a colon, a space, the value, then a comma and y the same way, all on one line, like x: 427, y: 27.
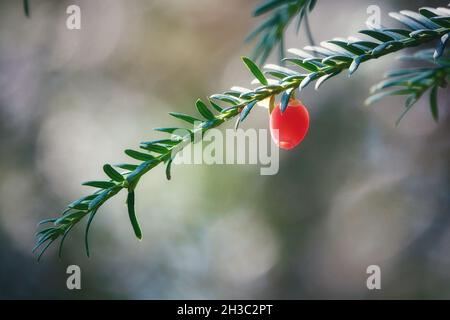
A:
x: 255, y: 70
x: 270, y: 33
x: 26, y: 7
x: 112, y: 173
x: 414, y: 82
x: 132, y: 215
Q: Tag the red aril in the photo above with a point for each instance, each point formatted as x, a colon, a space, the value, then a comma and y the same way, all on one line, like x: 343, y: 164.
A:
x: 289, y: 128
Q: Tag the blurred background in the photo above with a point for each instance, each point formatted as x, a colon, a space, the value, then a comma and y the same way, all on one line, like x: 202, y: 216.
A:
x: 357, y: 192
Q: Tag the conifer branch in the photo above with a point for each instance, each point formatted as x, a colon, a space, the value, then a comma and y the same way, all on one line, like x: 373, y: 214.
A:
x: 414, y: 82
x: 326, y: 61
x: 270, y: 33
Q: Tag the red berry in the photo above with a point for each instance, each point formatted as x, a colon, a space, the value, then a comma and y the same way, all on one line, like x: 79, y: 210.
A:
x: 292, y: 124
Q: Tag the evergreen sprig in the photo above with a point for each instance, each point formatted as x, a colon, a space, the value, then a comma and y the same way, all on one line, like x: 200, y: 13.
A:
x: 325, y: 61
x: 270, y: 32
x: 414, y: 82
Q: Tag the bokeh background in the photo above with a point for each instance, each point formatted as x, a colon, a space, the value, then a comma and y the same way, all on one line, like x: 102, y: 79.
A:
x: 357, y: 192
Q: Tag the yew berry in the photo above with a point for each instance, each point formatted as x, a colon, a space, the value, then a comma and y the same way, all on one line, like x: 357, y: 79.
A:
x: 289, y: 128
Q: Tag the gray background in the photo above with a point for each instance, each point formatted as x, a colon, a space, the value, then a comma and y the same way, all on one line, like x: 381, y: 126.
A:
x: 357, y: 192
